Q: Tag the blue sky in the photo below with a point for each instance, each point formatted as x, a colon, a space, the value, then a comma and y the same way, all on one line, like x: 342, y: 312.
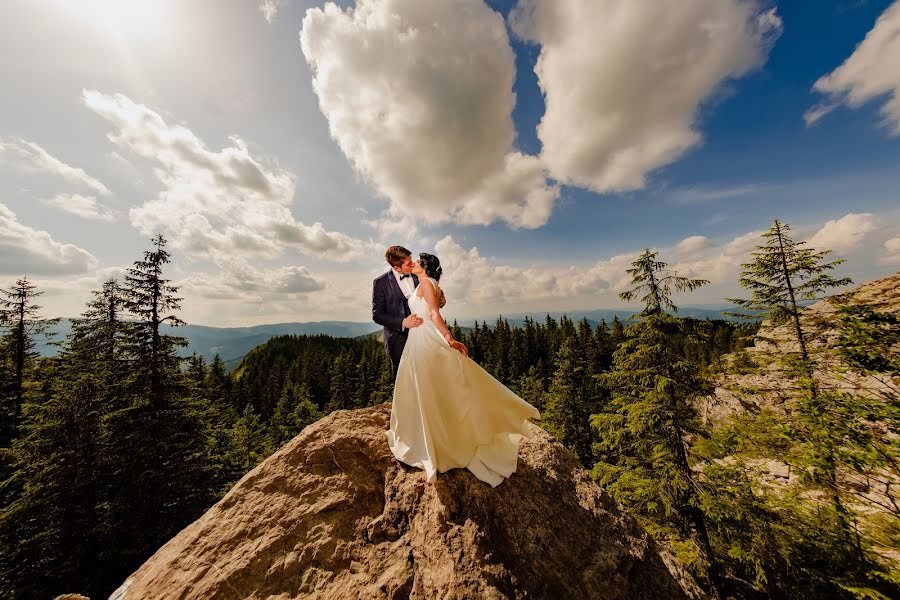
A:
x: 281, y: 145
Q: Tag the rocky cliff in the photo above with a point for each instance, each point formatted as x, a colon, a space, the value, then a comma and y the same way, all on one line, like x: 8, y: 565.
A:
x: 332, y: 514
x: 762, y: 382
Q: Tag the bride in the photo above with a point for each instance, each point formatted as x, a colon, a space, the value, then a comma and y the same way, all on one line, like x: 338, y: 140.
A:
x: 447, y: 411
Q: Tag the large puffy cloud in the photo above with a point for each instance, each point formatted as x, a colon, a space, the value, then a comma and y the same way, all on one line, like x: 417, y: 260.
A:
x: 872, y: 71
x: 418, y: 95
x: 623, y: 80
x: 29, y: 155
x: 24, y: 250
x: 844, y: 234
x: 214, y: 203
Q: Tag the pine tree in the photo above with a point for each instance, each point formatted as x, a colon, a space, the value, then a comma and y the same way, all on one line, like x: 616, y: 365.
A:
x: 149, y: 298
x: 305, y: 412
x: 571, y: 400
x: 21, y: 325
x: 782, y: 274
x: 250, y: 443
x: 645, y: 437
x: 50, y: 533
x: 55, y: 518
x: 618, y: 332
x: 160, y: 475
x: 530, y: 388
x: 101, y: 326
x: 341, y: 389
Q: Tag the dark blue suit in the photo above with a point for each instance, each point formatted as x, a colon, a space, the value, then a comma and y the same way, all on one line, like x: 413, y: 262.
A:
x: 389, y: 308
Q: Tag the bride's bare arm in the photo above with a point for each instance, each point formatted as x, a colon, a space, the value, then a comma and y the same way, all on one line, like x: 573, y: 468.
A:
x: 435, y: 314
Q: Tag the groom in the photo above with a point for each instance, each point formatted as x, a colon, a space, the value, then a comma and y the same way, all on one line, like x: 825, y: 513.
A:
x: 390, y: 302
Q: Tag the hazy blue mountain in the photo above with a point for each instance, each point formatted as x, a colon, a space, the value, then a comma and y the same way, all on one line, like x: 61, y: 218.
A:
x: 232, y: 343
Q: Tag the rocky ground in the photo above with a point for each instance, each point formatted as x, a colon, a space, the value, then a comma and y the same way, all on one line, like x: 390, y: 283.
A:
x: 760, y: 379
x: 332, y: 514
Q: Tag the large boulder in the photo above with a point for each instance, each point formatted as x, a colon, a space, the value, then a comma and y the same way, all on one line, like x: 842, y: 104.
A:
x: 333, y: 514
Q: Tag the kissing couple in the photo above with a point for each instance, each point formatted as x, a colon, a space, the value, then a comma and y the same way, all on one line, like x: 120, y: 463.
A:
x: 447, y: 411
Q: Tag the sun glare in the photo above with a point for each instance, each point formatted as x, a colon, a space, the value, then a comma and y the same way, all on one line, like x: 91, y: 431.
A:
x: 141, y: 18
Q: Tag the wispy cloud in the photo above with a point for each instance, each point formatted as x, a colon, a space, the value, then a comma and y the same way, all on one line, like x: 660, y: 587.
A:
x: 28, y: 251
x: 270, y: 8
x: 872, y: 71
x: 704, y: 195
x: 30, y: 155
x: 86, y: 207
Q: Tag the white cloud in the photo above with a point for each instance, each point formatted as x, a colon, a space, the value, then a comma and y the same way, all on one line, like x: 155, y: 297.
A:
x: 477, y: 282
x: 86, y: 207
x: 239, y: 280
x: 891, y: 251
x: 270, y: 8
x: 815, y: 113
x: 623, y: 80
x: 701, y: 258
x: 872, y: 71
x: 24, y: 250
x: 418, y: 95
x: 693, y: 245
x: 844, y: 234
x: 470, y: 278
x: 214, y: 203
x: 29, y: 155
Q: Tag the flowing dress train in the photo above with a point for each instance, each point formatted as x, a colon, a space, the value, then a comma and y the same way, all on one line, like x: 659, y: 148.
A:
x: 450, y: 413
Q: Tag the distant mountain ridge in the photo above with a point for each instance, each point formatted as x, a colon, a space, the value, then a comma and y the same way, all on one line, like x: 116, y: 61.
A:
x: 233, y: 343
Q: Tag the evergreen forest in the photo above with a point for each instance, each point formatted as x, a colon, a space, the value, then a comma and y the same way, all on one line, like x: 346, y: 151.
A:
x: 116, y: 443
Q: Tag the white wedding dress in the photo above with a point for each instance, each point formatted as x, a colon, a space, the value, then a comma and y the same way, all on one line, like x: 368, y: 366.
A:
x: 450, y: 413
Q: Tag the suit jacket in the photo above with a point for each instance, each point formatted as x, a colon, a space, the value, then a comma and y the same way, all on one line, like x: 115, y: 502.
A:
x: 390, y: 307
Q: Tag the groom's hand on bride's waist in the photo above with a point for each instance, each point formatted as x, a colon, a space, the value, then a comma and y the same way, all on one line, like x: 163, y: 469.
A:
x: 411, y: 321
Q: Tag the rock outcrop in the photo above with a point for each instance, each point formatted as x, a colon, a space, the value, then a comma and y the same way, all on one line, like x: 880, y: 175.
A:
x: 763, y: 382
x: 332, y: 514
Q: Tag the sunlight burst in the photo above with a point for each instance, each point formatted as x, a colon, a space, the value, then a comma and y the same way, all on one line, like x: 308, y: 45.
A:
x: 123, y: 17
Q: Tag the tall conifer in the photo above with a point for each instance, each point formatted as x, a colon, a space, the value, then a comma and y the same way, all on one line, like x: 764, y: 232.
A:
x: 21, y: 325
x: 645, y: 436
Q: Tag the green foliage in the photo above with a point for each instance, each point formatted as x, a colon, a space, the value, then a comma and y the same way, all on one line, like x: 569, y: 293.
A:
x: 20, y: 325
x: 651, y: 280
x: 784, y: 273
x: 572, y: 397
x: 122, y: 443
x: 646, y: 434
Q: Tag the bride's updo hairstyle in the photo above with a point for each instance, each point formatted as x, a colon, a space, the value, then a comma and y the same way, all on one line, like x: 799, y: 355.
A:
x: 431, y: 264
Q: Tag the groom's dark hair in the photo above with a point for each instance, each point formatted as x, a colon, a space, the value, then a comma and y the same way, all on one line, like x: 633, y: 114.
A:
x: 396, y: 255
